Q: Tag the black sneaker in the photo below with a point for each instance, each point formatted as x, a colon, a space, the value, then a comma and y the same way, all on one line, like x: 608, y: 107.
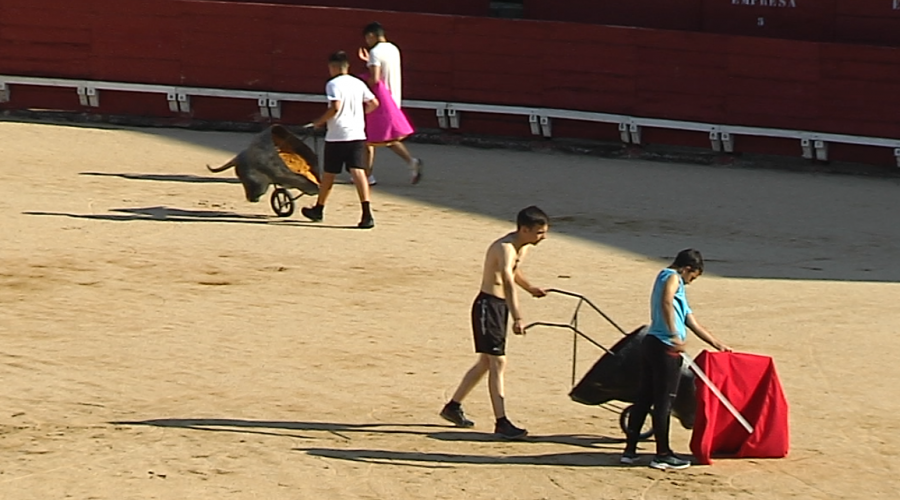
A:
x: 367, y: 222
x: 629, y: 458
x: 456, y: 416
x: 669, y: 462
x: 313, y: 213
x: 507, y: 430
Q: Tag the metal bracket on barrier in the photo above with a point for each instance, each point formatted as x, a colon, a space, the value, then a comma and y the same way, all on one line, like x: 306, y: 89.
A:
x: 4, y: 92
x: 623, y: 133
x: 172, y: 97
x: 269, y: 108
x: 275, y: 108
x: 806, y: 145
x: 715, y: 141
x: 727, y: 142
x: 454, y: 117
x: 635, y: 131
x: 821, y: 150
x: 897, y: 155
x: 89, y: 96
x: 184, y: 103
x: 441, y: 116
x: 546, y: 127
x: 534, y: 124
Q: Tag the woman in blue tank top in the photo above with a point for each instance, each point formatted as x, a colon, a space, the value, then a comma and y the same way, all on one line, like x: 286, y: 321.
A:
x: 661, y: 360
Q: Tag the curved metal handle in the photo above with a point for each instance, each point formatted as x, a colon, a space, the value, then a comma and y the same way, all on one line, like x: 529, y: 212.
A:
x: 568, y: 327
x: 588, y: 302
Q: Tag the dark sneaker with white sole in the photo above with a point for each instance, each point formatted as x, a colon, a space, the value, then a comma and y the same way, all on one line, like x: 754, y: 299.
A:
x: 629, y: 458
x: 455, y: 415
x: 507, y: 430
x: 669, y: 462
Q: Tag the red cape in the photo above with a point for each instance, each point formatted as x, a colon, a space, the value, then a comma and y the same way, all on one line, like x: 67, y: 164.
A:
x: 751, y: 384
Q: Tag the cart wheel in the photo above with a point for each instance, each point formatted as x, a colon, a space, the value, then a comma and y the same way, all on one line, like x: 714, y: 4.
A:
x: 282, y: 203
x: 646, y: 432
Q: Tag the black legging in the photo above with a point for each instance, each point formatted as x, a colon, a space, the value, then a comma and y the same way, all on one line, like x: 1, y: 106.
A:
x: 660, y: 373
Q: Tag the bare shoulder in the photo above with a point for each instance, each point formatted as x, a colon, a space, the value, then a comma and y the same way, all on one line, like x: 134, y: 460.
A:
x: 502, y: 249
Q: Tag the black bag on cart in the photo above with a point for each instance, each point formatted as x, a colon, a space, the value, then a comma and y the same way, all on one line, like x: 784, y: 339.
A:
x: 616, y: 376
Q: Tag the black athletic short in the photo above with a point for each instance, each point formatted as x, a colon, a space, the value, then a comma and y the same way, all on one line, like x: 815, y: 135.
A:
x: 351, y: 154
x: 489, y: 319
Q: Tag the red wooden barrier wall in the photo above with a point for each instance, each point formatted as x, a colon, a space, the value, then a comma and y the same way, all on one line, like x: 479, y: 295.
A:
x: 654, y: 73
x: 845, y: 21
x: 453, y: 7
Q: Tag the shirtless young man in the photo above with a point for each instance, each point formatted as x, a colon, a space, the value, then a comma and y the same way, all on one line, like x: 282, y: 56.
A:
x: 492, y: 307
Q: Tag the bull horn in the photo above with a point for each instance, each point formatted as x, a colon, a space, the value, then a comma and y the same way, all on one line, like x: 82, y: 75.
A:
x: 230, y: 164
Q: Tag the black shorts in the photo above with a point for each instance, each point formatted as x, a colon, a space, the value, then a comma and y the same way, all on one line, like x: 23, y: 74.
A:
x: 351, y: 154
x: 489, y: 319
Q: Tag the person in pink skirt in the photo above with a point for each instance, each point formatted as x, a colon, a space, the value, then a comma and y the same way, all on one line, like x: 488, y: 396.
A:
x: 388, y: 125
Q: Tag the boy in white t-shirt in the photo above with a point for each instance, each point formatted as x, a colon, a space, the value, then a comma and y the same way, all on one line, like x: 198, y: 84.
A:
x: 349, y: 100
x: 383, y: 60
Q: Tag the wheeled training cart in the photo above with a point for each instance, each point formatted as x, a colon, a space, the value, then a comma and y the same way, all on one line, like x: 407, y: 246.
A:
x: 616, y: 375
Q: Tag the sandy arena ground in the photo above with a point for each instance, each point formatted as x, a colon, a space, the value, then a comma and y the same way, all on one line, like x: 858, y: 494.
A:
x: 163, y: 338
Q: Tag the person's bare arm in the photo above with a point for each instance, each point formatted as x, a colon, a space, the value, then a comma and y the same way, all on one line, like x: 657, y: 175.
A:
x: 374, y: 76
x: 508, y: 262
x: 704, y: 334
x: 522, y: 282
x: 333, y: 108
x: 668, y: 305
x: 372, y: 104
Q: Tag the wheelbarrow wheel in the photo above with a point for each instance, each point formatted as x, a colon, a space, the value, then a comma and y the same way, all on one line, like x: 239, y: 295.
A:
x: 282, y: 202
x: 646, y: 432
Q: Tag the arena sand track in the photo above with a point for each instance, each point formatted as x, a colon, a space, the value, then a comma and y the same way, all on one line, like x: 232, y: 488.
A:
x: 162, y: 338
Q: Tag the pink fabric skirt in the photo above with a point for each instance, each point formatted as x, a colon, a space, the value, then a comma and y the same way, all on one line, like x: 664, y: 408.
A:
x: 387, y: 123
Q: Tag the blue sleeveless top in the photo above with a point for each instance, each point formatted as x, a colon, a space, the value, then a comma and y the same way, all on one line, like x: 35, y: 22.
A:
x: 658, y: 327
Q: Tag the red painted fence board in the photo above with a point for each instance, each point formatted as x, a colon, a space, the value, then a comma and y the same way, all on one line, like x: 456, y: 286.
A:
x: 678, y: 75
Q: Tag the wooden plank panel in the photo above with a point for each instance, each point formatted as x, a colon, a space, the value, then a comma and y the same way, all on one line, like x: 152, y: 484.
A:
x: 133, y: 103
x: 606, y: 132
x: 680, y: 106
x: 752, y: 87
x: 678, y: 14
x: 588, y: 33
x: 765, y: 47
x: 215, y: 108
x: 490, y: 65
x: 672, y: 137
x: 685, y: 81
x: 482, y: 96
x: 681, y: 41
x: 218, y: 76
x: 47, y: 35
x: 871, y: 30
x: 591, y: 58
x: 42, y: 98
x: 855, y: 70
x: 791, y: 19
x: 768, y: 145
x: 136, y: 70
x: 868, y: 8
x: 775, y: 107
x: 613, y: 101
x: 773, y: 68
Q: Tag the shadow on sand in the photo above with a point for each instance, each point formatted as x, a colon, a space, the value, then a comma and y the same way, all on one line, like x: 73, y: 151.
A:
x: 604, y: 450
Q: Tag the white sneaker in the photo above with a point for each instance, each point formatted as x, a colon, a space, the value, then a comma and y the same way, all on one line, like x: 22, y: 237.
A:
x: 372, y: 180
x: 415, y: 171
